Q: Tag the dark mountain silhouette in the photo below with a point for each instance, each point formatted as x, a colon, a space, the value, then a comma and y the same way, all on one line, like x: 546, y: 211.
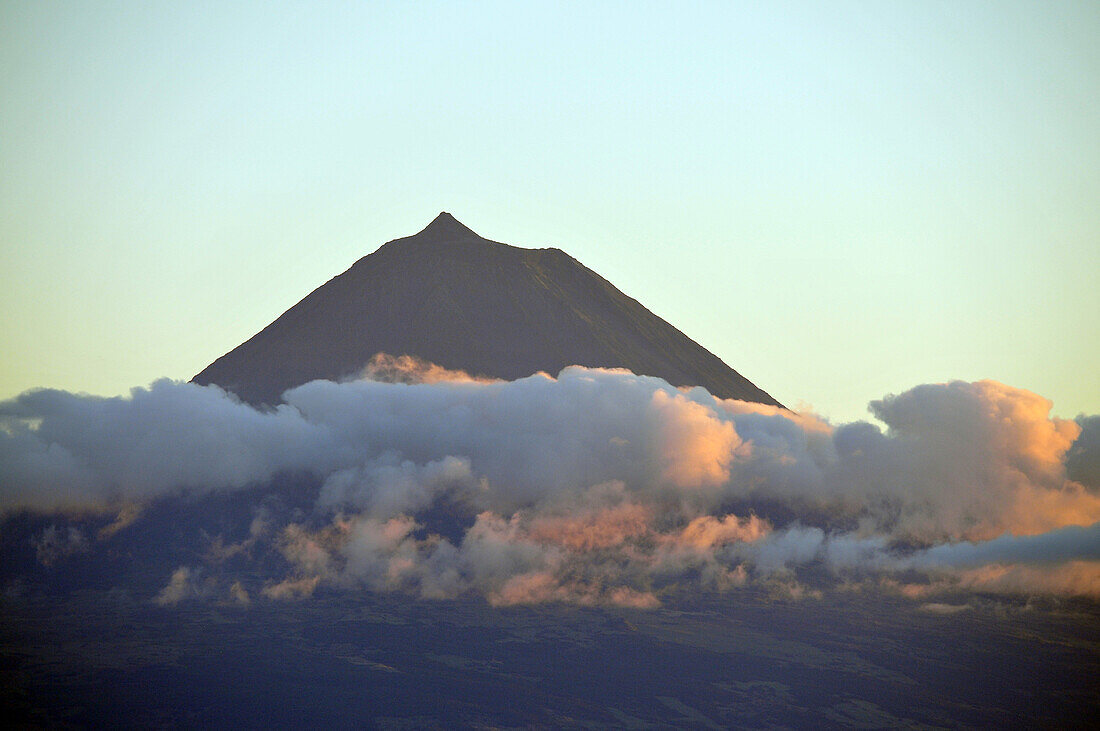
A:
x: 448, y: 296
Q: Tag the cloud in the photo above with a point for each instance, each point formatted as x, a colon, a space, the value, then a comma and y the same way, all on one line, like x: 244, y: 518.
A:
x: 239, y: 595
x: 387, y: 368
x: 946, y: 609
x: 56, y: 543
x: 1057, y: 546
x: 1083, y: 458
x: 1077, y: 578
x: 597, y: 486
x: 184, y: 584
x: 60, y: 450
x: 388, y: 486
x: 984, y: 458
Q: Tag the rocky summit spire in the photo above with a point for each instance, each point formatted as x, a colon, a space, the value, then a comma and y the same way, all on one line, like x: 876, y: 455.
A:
x: 451, y: 297
x: 446, y: 227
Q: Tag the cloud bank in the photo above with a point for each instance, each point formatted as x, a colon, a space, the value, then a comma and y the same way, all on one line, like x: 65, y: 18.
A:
x: 597, y: 486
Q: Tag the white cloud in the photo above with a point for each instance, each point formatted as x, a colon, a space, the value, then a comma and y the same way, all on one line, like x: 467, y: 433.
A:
x: 595, y: 486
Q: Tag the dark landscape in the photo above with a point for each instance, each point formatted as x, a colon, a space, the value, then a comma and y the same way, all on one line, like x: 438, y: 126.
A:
x: 365, y: 660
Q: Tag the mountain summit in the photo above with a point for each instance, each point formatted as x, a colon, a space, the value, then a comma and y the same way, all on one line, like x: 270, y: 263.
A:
x: 451, y: 297
x: 446, y: 227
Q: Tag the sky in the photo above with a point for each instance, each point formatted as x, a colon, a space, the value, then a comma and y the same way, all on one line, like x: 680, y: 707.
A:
x: 840, y: 200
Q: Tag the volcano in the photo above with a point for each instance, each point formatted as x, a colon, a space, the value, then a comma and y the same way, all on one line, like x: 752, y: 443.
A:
x: 448, y: 296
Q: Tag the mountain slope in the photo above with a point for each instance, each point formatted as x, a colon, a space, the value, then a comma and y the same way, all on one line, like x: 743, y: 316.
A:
x: 448, y: 296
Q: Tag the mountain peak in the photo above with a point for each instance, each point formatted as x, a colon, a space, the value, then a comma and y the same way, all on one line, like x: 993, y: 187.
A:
x: 445, y: 227
x: 450, y: 297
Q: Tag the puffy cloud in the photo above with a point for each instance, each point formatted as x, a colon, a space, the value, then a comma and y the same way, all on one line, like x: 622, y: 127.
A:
x: 708, y: 531
x: 56, y: 543
x: 239, y: 595
x: 184, y: 584
x: 1083, y: 458
x: 979, y: 459
x: 598, y: 486
x: 694, y: 445
x: 795, y: 546
x: 588, y: 529
x: 1073, y: 578
x: 387, y: 368
x: 60, y: 450
x: 292, y: 588
x: 388, y: 487
x: 1077, y: 578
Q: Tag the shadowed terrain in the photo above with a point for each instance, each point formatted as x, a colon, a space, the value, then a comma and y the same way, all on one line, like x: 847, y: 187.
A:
x: 448, y: 296
x: 372, y: 661
x: 82, y: 645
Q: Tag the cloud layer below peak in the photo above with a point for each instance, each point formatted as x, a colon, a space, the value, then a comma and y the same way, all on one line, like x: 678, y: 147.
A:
x: 597, y: 486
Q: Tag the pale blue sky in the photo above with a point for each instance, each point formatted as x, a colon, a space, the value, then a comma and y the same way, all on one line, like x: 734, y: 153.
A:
x: 838, y: 199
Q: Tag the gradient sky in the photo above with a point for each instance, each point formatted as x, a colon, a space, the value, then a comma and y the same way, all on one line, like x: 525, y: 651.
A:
x: 838, y: 199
